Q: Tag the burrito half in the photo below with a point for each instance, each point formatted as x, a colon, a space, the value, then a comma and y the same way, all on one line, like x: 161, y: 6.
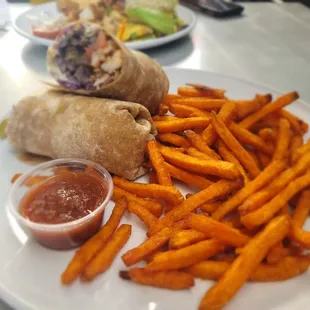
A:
x: 86, y: 60
x: 61, y: 125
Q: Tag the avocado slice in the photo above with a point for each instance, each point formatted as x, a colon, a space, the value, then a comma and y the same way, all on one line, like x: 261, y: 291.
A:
x: 157, y: 20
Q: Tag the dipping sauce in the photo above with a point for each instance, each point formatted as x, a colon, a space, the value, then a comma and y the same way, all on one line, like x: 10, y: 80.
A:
x: 62, y: 198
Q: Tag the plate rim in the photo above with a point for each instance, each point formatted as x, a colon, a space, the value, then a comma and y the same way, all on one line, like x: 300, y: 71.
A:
x: 139, y: 45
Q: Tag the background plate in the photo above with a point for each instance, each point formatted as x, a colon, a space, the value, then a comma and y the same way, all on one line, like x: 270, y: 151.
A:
x: 23, y: 27
x: 30, y: 273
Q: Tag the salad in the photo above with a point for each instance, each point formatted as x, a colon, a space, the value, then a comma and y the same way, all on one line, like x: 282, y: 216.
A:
x: 129, y: 20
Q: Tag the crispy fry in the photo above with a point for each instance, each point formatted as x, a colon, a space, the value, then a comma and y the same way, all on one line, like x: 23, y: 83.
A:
x: 217, y: 230
x: 274, y: 106
x: 104, y: 259
x: 299, y: 217
x: 216, y: 190
x: 158, y: 164
x: 89, y: 249
x: 277, y: 253
x: 173, y: 139
x: 172, y: 280
x: 256, y: 200
x: 289, y: 267
x: 268, y: 134
x: 264, y: 160
x: 246, y: 108
x: 245, y: 264
x: 142, y: 213
x: 183, y: 238
x: 163, y: 109
x: 226, y: 114
x: 298, y: 125
x: 211, y: 207
x: 180, y: 110
x: 162, y: 118
x: 154, y: 191
x: 236, y: 148
x: 187, y: 177
x: 296, y: 142
x: 302, y: 150
x: 154, y: 207
x: 169, y: 148
x: 246, y: 137
x: 148, y: 247
x: 197, y: 142
x: 169, y: 98
x: 182, y: 124
x: 265, y: 213
x: 283, y: 140
x: 195, y: 153
x: 187, y: 256
x: 197, y: 90
x: 263, y: 179
x: 227, y: 155
x: 212, y: 167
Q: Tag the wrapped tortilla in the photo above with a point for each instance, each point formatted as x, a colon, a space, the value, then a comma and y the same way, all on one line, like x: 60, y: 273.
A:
x: 86, y: 60
x: 61, y: 125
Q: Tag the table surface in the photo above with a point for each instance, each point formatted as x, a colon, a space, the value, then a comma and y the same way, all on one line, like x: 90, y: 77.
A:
x: 268, y: 44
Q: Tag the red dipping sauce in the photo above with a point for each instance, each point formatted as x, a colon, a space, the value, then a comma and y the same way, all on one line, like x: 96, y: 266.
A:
x: 65, y: 208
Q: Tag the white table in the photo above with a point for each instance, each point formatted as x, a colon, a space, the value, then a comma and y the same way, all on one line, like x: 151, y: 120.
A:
x: 269, y: 44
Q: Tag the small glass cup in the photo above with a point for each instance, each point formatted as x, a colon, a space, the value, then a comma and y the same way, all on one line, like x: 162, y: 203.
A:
x: 65, y: 235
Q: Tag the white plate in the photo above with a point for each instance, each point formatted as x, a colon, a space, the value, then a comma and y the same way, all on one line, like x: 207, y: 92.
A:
x: 23, y: 27
x: 30, y: 273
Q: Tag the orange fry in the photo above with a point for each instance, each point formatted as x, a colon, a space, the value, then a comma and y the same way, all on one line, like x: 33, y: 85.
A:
x: 298, y: 125
x: 183, y: 238
x: 154, y: 191
x: 268, y: 134
x: 216, y: 190
x: 212, y: 167
x: 162, y: 118
x: 226, y: 114
x: 256, y: 200
x: 197, y: 90
x: 169, y: 98
x: 246, y: 137
x: 263, y: 159
x: 262, y: 180
x: 289, y: 267
x: 182, y: 124
x: 173, y: 139
x: 163, y: 109
x: 142, y: 213
x: 274, y: 106
x: 197, y: 142
x: 236, y: 148
x: 122, y: 29
x: 15, y: 177
x: 277, y: 253
x: 245, y: 264
x: 211, y: 207
x: 104, y: 259
x: 89, y: 249
x: 184, y: 257
x: 265, y: 213
x: 172, y: 280
x: 188, y: 177
x: 301, y: 151
x: 283, y: 140
x: 217, y: 230
x: 158, y: 164
x: 296, y: 142
x: 227, y: 155
x: 195, y: 153
x: 153, y: 177
x: 299, y: 217
x: 180, y: 110
x: 155, y: 207
x: 148, y: 247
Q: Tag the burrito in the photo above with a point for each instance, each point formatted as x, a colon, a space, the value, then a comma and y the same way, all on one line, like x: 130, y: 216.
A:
x: 86, y: 60
x: 62, y: 125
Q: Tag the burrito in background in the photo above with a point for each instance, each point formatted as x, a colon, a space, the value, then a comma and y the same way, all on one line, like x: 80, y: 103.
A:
x: 86, y: 60
x: 61, y: 125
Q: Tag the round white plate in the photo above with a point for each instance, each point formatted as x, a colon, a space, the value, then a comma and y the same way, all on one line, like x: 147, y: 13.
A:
x: 23, y: 26
x: 30, y: 273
